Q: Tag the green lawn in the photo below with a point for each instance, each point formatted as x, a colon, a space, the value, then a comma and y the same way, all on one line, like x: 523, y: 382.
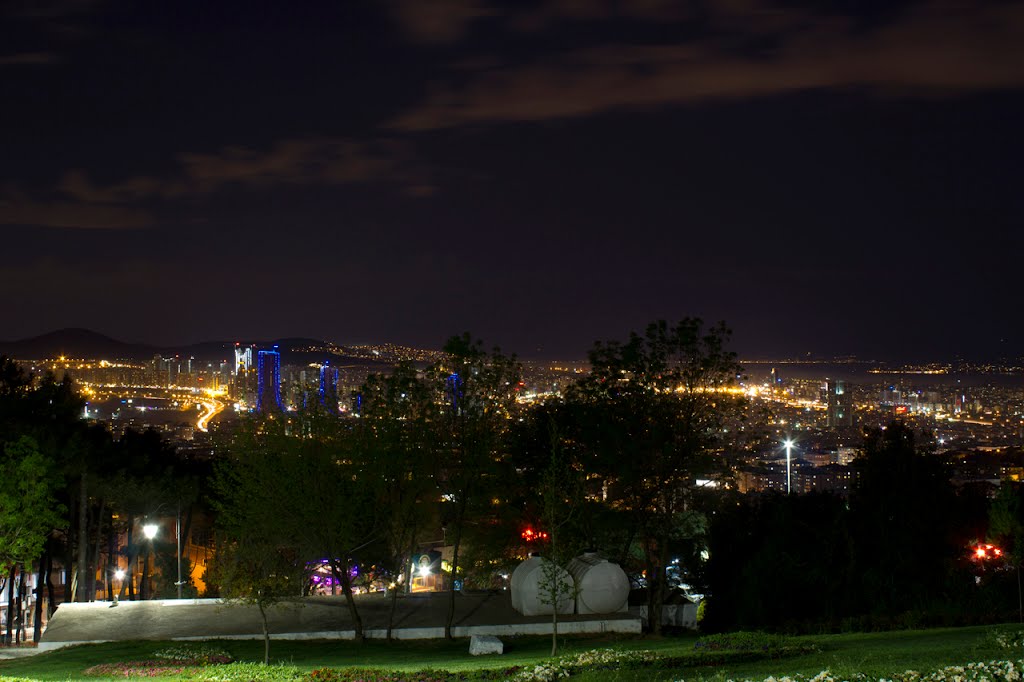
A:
x: 874, y: 653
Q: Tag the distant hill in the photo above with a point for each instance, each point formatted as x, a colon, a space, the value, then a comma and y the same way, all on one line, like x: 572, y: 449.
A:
x: 75, y: 343
x: 85, y: 343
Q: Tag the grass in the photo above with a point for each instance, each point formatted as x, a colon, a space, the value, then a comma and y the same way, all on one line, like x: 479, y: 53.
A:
x: 871, y: 653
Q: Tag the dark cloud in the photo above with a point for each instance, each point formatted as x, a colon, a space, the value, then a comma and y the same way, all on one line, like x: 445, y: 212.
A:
x: 326, y: 161
x: 29, y: 59
x: 18, y: 209
x: 50, y: 9
x: 438, y: 21
x: 288, y: 162
x: 933, y: 48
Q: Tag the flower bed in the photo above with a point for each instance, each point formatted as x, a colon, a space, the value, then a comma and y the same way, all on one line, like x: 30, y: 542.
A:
x: 177, y: 660
x: 986, y: 671
x: 137, y: 669
x: 195, y: 654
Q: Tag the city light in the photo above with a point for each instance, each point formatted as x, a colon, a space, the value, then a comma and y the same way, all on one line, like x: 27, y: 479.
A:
x: 984, y: 552
x: 789, y: 467
x: 531, y: 535
x: 149, y: 530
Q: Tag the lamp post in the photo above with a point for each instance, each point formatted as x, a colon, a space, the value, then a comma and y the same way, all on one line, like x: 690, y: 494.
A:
x: 789, y: 470
x: 119, y: 575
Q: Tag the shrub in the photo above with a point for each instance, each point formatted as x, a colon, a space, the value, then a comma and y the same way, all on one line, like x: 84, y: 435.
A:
x: 1013, y: 641
x: 195, y: 654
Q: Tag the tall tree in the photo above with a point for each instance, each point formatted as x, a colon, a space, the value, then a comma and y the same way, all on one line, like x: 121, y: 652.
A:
x: 478, y: 391
x: 652, y: 410
x: 254, y: 571
x: 299, y: 484
x: 902, y: 510
x: 561, y: 495
x: 1006, y: 527
x: 28, y: 507
x: 393, y: 439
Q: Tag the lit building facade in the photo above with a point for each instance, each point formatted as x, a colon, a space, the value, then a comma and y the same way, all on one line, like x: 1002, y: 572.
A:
x: 268, y: 381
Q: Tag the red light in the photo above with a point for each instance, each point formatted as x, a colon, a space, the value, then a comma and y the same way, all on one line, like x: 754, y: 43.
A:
x: 531, y: 535
x: 986, y: 551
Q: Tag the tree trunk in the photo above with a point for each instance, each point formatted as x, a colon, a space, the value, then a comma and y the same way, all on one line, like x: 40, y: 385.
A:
x: 556, y: 592
x: 37, y: 611
x: 451, y: 588
x: 129, y: 574
x: 96, y: 552
x: 83, y: 541
x: 69, y: 571
x: 342, y: 575
x: 656, y: 585
x: 144, y: 587
x: 391, y: 611
x: 8, y: 638
x: 51, y: 603
x: 19, y: 632
x: 266, y: 634
x: 185, y: 557
x: 1020, y: 603
x: 554, y: 630
x: 112, y: 561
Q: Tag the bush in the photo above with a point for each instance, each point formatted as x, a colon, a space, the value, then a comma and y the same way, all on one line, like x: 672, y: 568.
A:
x: 195, y: 654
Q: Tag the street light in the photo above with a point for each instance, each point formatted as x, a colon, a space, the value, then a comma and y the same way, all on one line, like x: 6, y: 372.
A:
x: 149, y: 530
x: 789, y: 471
x: 119, y: 575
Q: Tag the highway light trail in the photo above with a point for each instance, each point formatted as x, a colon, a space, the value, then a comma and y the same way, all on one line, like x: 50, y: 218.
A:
x: 211, y: 408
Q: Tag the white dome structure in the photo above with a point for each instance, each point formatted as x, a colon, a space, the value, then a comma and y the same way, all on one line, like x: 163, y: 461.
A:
x: 601, y: 586
x: 530, y: 590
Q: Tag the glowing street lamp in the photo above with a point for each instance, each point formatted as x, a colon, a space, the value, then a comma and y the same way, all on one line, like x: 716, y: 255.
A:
x: 119, y: 575
x: 789, y: 471
x: 149, y: 530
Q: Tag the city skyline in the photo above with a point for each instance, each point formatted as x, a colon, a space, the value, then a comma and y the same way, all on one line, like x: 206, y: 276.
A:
x: 827, y: 180
x: 80, y: 343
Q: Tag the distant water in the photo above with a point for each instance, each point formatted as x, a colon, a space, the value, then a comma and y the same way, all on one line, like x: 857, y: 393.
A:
x: 860, y: 373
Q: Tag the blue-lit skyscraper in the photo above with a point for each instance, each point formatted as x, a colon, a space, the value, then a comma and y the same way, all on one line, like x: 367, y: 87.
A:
x: 268, y: 378
x: 329, y: 386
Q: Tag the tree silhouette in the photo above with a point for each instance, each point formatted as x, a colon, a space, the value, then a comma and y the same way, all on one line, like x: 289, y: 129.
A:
x: 651, y: 412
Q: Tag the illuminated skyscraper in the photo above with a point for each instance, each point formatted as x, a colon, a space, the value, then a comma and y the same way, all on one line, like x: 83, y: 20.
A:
x: 329, y: 386
x: 840, y: 407
x: 268, y: 378
x: 243, y: 359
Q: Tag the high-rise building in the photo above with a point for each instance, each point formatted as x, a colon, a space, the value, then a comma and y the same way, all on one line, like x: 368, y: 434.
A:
x: 268, y: 381
x: 840, y: 405
x: 243, y: 359
x: 329, y: 386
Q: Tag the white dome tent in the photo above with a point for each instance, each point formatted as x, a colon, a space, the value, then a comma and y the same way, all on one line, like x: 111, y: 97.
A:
x: 530, y: 594
x: 601, y: 586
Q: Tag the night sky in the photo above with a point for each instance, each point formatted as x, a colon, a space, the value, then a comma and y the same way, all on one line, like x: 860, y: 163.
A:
x: 826, y: 177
